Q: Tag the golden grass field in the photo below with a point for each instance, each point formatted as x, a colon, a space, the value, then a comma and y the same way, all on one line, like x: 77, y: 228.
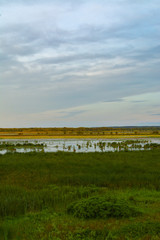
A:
x: 82, y: 133
x: 79, y: 137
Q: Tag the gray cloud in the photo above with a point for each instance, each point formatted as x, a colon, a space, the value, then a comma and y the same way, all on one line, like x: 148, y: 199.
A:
x: 73, y: 58
x: 114, y: 100
x: 71, y: 114
x: 137, y: 101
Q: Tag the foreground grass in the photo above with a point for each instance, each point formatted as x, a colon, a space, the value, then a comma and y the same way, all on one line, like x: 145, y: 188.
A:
x: 37, y: 191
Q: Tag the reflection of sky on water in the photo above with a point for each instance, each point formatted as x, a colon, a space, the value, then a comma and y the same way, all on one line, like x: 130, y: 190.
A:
x: 71, y: 145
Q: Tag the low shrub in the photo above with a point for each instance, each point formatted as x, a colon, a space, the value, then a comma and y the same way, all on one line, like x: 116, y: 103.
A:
x: 101, y: 207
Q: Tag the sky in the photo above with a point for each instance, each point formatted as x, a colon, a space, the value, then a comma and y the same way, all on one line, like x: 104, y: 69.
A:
x: 67, y: 63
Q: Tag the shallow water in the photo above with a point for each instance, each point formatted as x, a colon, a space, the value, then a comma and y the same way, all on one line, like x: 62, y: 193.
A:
x: 74, y: 145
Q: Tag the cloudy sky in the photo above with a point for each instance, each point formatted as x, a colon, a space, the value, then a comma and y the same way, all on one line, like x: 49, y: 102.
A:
x: 79, y: 63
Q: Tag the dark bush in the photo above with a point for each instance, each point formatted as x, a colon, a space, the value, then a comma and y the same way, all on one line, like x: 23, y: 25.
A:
x: 101, y: 207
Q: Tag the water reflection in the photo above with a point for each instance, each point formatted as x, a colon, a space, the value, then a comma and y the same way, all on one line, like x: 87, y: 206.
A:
x: 77, y: 145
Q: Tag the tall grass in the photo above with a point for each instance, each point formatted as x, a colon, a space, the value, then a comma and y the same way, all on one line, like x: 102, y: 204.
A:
x: 113, y: 170
x: 16, y: 201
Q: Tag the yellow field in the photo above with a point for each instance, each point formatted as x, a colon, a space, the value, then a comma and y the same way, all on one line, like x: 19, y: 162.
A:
x: 82, y: 133
x: 80, y: 137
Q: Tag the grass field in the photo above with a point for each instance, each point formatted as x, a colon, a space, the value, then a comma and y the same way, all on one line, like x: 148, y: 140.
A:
x: 101, y: 132
x: 76, y: 196
x: 81, y: 137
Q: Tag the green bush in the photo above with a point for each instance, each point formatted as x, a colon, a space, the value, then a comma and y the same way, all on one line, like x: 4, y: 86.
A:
x: 101, y: 207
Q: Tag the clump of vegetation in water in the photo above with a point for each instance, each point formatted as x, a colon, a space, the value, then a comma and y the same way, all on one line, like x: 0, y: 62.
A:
x: 152, y: 146
x: 8, y: 145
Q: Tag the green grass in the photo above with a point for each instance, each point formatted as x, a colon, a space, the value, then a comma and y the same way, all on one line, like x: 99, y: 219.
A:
x: 48, y: 196
x: 113, y: 170
x: 102, y: 207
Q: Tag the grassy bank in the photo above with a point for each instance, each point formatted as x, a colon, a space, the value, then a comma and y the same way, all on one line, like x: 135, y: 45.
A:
x: 80, y: 196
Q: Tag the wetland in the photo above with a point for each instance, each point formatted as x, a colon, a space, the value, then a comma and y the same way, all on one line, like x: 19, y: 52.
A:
x: 77, y: 145
x: 79, y: 187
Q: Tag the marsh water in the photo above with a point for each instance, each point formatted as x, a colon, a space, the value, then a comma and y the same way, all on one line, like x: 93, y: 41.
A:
x: 76, y: 145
